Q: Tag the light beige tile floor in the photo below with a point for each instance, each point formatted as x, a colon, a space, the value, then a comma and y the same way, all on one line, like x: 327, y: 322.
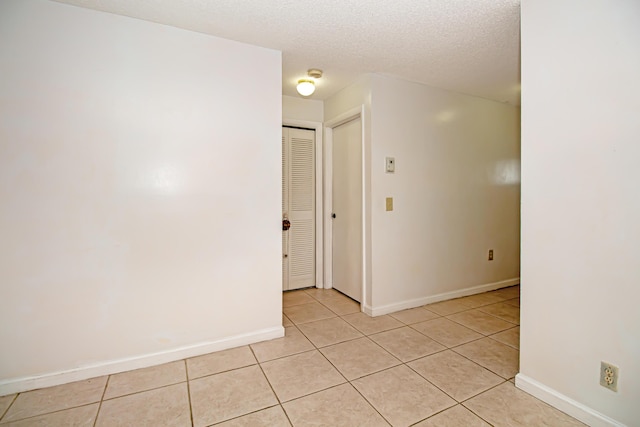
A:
x: 446, y: 364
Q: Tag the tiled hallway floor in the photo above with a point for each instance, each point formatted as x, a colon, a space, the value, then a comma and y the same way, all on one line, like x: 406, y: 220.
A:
x: 445, y: 364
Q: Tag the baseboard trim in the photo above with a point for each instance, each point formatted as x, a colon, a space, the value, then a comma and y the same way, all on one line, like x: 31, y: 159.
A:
x: 563, y: 403
x: 367, y: 309
x: 403, y: 305
x: 18, y: 385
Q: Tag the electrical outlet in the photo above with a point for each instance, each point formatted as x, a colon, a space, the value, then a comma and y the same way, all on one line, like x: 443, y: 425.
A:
x: 490, y: 254
x: 609, y: 376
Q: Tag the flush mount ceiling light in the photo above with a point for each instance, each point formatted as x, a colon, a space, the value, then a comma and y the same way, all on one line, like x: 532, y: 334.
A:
x: 307, y: 86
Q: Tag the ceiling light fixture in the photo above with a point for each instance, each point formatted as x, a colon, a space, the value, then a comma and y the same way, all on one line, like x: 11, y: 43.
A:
x: 307, y: 86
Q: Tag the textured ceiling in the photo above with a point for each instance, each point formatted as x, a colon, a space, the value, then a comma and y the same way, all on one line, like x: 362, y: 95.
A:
x: 469, y: 46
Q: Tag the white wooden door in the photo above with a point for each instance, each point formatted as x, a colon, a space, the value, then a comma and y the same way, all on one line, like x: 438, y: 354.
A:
x: 347, y: 209
x: 298, y: 207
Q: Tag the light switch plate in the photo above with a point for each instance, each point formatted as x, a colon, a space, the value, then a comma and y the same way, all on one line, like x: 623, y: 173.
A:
x: 389, y: 203
x: 390, y: 163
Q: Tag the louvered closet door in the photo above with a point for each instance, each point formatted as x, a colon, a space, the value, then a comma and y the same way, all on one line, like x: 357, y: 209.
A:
x: 298, y: 205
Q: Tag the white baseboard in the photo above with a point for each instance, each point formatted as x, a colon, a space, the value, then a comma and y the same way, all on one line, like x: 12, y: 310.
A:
x: 367, y: 309
x: 18, y: 385
x: 403, y: 305
x: 569, y: 406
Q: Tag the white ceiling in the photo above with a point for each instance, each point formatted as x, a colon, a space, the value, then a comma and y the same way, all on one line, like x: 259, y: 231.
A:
x: 469, y: 46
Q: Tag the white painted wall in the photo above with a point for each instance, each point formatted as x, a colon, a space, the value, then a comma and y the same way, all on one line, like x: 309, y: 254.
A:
x: 310, y: 110
x: 456, y: 193
x: 140, y: 189
x: 353, y: 96
x: 581, y: 202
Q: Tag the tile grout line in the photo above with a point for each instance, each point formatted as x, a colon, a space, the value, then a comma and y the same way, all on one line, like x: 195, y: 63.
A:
x: 482, y: 333
x: 47, y: 413
x: 413, y: 370
x: 343, y: 376
x: 15, y: 398
x: 287, y: 355
x: 436, y: 413
x: 219, y: 372
x: 271, y: 387
x: 501, y: 332
x: 406, y: 363
x: 106, y: 384
x: 350, y: 382
x: 316, y: 348
x: 370, y: 403
x: 443, y: 344
x: 248, y: 413
x: 427, y: 380
x: 186, y: 372
x: 9, y: 407
x: 471, y: 360
x: 145, y: 390
x: 472, y: 411
x: 452, y: 349
x: 482, y: 392
x: 460, y: 402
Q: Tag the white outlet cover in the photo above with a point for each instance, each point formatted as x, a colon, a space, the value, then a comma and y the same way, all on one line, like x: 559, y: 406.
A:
x: 609, y: 376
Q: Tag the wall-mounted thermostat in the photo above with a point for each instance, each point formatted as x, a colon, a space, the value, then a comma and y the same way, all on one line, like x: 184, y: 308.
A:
x: 390, y: 164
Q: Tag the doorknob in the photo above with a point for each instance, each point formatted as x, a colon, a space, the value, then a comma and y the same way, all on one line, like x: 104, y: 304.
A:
x: 333, y: 215
x: 286, y: 224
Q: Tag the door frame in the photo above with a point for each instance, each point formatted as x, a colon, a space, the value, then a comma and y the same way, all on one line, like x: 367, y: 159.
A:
x: 343, y: 118
x: 317, y: 127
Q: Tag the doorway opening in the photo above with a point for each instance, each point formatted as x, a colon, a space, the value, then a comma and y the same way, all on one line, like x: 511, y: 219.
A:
x: 345, y: 267
x: 346, y: 209
x: 298, y: 208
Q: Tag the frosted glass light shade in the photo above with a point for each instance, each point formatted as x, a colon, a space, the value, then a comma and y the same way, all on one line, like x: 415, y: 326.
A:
x: 305, y: 87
